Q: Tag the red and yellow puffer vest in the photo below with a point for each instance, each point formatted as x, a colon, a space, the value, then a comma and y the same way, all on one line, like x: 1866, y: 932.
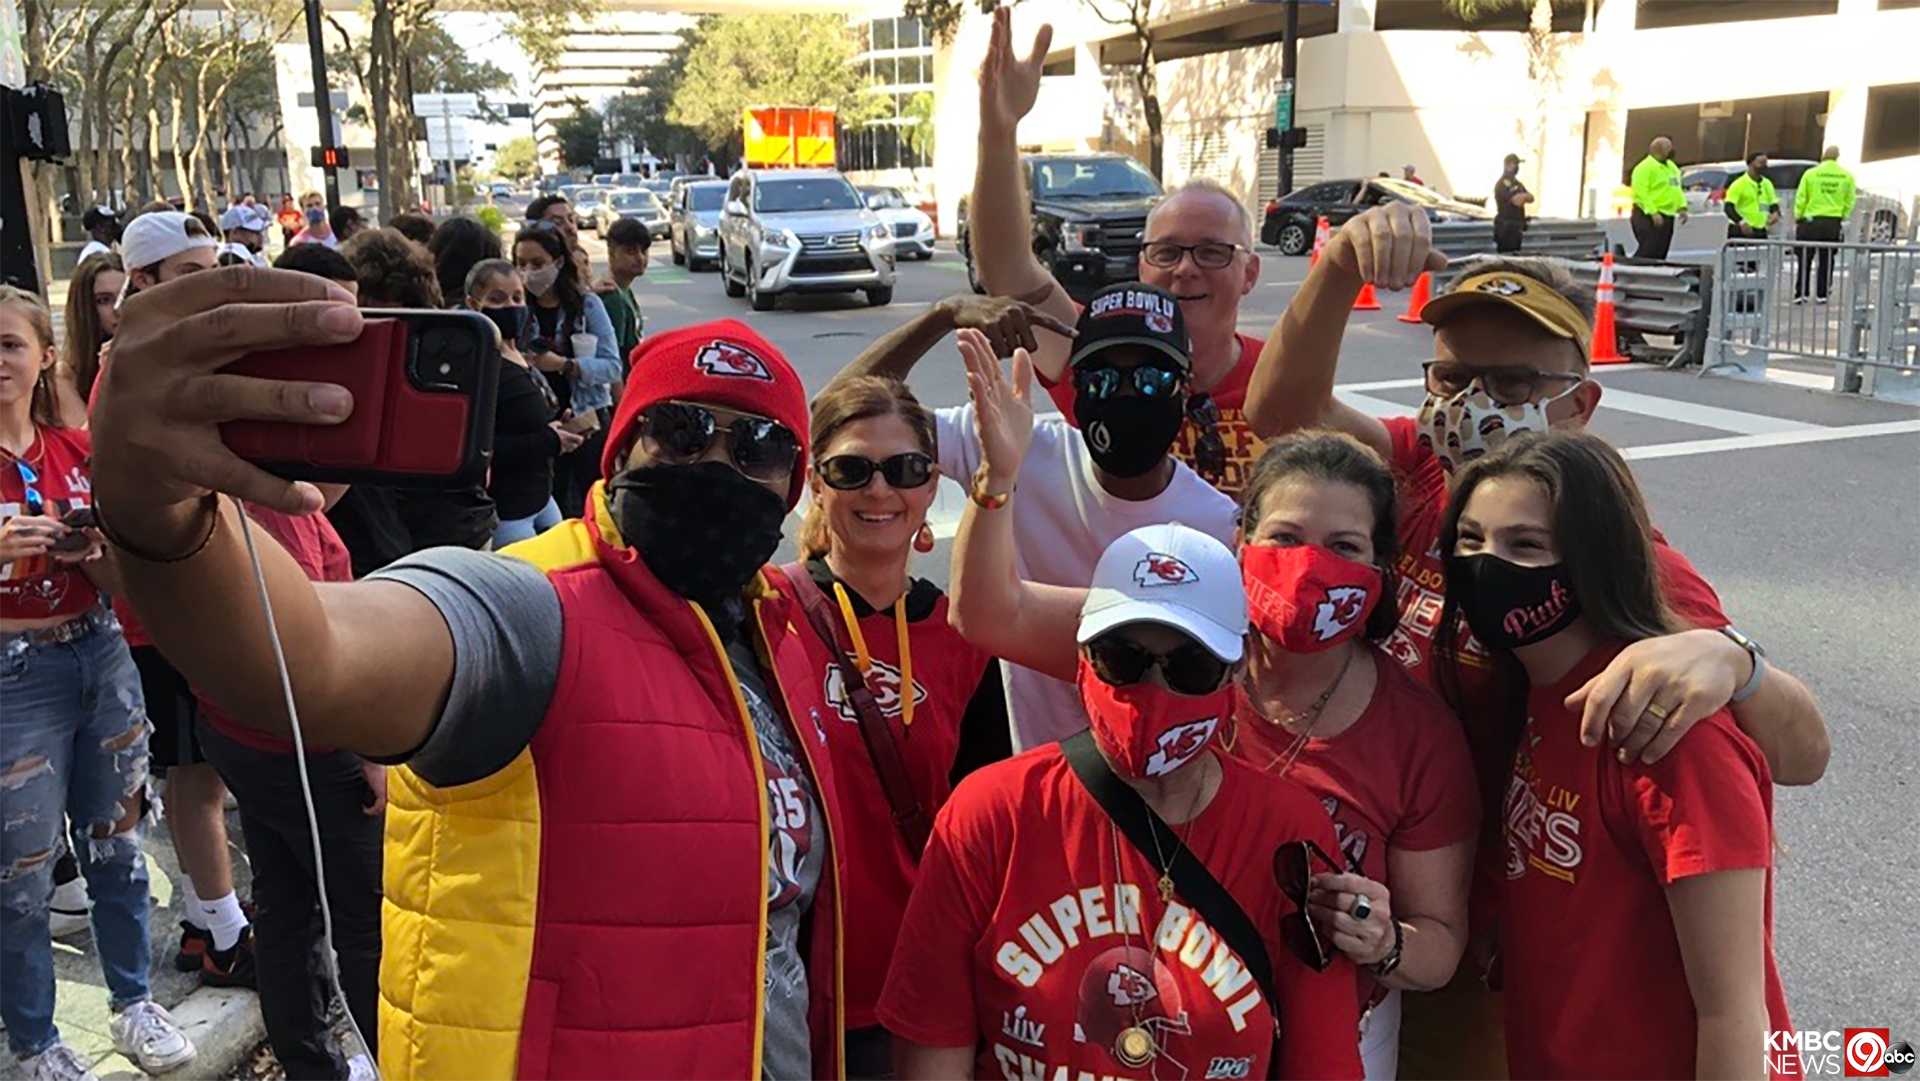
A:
x: 598, y: 907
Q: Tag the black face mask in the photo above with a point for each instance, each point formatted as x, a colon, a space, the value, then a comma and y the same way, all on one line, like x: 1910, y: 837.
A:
x: 509, y: 319
x: 703, y: 529
x: 1508, y: 604
x: 1128, y: 436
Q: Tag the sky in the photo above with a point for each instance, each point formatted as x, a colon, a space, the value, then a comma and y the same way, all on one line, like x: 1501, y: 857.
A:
x: 485, y: 37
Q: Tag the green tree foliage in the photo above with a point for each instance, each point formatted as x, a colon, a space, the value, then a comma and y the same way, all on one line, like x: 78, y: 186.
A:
x: 580, y: 137
x: 517, y: 158
x: 743, y: 60
x: 918, y: 131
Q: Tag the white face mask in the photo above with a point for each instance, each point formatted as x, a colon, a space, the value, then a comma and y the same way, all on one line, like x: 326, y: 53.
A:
x: 540, y: 282
x: 1471, y: 424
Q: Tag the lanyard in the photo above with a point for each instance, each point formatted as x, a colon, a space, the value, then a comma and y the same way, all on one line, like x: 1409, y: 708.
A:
x: 864, y: 660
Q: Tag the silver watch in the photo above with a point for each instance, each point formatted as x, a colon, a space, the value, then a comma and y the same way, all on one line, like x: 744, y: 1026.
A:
x: 1759, y: 657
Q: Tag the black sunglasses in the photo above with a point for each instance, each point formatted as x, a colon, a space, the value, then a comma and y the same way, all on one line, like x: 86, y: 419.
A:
x: 1293, y: 869
x: 681, y: 432
x: 1209, y: 449
x: 1147, y: 381
x: 851, y: 472
x: 1208, y: 255
x: 1189, y: 668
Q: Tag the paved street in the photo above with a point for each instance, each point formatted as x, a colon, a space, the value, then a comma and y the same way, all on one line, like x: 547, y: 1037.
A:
x: 1798, y: 505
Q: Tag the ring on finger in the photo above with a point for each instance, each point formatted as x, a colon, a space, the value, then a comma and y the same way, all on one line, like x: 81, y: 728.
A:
x: 1362, y: 908
x: 1658, y: 712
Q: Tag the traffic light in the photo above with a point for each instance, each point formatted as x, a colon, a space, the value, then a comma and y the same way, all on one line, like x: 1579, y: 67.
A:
x: 1293, y: 138
x: 330, y: 157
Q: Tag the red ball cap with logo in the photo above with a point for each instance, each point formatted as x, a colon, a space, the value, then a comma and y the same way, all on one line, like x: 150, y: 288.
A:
x: 719, y: 363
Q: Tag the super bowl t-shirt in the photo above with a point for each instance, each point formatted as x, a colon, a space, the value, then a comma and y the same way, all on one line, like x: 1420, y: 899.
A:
x: 1243, y: 447
x: 1591, y: 846
x: 1062, y: 521
x: 1037, y: 935
x: 41, y: 587
x: 1398, y: 777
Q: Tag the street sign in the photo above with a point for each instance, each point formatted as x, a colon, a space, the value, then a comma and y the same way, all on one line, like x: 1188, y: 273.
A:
x: 439, y: 105
x: 1283, y: 105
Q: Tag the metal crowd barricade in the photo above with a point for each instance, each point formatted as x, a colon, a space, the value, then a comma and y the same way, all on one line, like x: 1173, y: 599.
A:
x: 1766, y: 305
x: 1660, y: 309
x: 1566, y: 238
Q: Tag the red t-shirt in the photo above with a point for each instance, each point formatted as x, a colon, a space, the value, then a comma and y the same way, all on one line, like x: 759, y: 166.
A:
x: 1591, y: 846
x: 1230, y: 396
x: 312, y: 542
x: 946, y: 671
x: 38, y: 587
x: 1026, y: 940
x: 1398, y: 777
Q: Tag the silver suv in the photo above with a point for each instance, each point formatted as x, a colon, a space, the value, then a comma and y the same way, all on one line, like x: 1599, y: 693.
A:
x: 802, y: 231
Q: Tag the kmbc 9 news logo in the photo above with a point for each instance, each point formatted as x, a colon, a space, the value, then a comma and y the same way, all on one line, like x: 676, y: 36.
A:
x: 1852, y: 1052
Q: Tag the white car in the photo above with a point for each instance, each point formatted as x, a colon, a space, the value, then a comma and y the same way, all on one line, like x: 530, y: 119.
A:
x: 1877, y: 219
x: 912, y: 229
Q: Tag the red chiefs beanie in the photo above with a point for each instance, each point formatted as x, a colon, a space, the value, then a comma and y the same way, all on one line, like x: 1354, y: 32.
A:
x: 721, y: 363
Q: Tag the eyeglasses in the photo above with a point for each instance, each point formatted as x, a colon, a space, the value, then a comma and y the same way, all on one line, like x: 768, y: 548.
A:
x: 851, y: 472
x: 1293, y: 869
x: 1505, y: 384
x: 1207, y: 255
x: 1188, y: 668
x: 1147, y: 381
x: 1209, y: 449
x: 29, y: 477
x: 681, y: 432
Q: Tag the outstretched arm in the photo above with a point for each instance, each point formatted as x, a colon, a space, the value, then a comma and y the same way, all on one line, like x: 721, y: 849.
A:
x: 1292, y: 385
x: 1006, y: 325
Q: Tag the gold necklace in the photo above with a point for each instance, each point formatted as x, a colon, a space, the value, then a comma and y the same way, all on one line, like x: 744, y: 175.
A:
x: 1135, y: 1046
x: 1313, y: 714
x: 1165, y: 885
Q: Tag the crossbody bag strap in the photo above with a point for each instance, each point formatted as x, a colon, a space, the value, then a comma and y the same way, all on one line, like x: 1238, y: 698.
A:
x: 1191, y: 879
x: 883, y: 746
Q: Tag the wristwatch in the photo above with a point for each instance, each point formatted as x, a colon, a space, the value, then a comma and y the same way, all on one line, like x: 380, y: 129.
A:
x: 1759, y: 657
x: 1385, y: 966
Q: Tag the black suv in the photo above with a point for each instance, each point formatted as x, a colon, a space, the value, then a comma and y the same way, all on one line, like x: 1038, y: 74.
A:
x: 1089, y: 213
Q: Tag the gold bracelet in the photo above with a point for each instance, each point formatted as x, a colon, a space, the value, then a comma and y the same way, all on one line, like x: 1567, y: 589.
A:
x: 211, y: 501
x: 978, y: 493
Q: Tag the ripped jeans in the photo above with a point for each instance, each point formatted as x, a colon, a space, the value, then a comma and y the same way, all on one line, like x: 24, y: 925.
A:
x: 73, y: 744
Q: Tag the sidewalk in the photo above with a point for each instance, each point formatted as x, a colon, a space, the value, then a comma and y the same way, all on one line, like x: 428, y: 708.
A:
x: 224, y: 1025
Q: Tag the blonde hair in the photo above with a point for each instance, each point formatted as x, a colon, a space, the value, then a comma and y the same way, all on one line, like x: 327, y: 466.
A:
x: 1208, y: 186
x: 45, y: 408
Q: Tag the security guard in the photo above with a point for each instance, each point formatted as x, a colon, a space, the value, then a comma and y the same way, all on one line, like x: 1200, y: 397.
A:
x: 1751, y: 203
x: 1657, y: 200
x: 1510, y: 199
x: 1821, y: 206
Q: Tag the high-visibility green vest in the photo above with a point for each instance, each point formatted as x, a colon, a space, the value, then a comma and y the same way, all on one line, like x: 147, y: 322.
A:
x: 1656, y: 187
x: 1752, y: 200
x: 1825, y: 191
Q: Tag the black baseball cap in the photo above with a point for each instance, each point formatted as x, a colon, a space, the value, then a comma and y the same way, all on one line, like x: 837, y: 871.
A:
x: 98, y: 215
x: 1133, y: 313
x: 1512, y: 159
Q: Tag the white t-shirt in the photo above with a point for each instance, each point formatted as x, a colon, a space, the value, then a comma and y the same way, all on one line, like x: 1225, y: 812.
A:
x: 93, y: 248
x: 1062, y: 521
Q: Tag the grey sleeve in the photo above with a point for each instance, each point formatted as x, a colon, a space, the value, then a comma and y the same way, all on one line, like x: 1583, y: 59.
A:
x: 505, y: 621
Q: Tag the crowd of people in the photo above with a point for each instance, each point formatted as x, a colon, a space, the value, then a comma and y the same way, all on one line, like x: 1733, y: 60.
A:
x: 1256, y: 737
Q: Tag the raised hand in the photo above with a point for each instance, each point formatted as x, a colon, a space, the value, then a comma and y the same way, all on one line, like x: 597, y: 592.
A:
x: 1008, y: 84
x: 1007, y: 323
x: 1388, y: 246
x: 1002, y: 408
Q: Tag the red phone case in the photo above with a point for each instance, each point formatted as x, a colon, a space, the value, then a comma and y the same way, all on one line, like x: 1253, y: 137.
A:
x: 401, y: 433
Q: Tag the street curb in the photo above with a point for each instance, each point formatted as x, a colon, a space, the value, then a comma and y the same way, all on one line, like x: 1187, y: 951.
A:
x: 224, y: 1025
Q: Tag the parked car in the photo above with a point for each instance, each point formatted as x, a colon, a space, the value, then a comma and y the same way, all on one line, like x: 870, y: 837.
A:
x: 912, y: 228
x: 1089, y: 213
x: 604, y: 180
x: 1877, y: 218
x: 693, y: 222
x: 1289, y: 222
x: 586, y: 205
x: 801, y: 231
x: 628, y: 180
x: 637, y: 203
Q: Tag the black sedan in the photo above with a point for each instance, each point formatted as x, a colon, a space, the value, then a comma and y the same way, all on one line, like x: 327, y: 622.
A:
x: 1290, y: 221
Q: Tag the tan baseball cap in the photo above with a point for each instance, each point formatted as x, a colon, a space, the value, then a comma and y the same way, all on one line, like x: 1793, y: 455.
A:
x: 1553, y: 312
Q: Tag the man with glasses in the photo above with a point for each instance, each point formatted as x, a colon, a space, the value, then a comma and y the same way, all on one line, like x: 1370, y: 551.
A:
x: 1510, y: 349
x: 608, y: 834
x: 1197, y: 245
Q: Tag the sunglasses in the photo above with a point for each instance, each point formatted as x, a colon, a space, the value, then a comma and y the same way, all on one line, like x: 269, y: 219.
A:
x: 1209, y: 449
x: 681, y: 432
x: 32, y: 499
x: 1504, y: 384
x: 851, y: 472
x: 1187, y: 669
x: 1209, y: 255
x: 1293, y: 869
x: 1147, y: 381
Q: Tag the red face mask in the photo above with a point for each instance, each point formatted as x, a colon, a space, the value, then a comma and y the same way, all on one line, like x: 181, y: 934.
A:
x: 1304, y: 597
x: 1147, y: 730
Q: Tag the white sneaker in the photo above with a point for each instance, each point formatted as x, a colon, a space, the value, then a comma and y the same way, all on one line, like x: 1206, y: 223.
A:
x: 1798, y: 301
x: 58, y: 1063
x: 67, y: 911
x: 147, y: 1034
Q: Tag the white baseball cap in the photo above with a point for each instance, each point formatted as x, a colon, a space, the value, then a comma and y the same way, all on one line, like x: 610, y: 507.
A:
x: 1175, y: 576
x: 242, y: 216
x: 158, y: 236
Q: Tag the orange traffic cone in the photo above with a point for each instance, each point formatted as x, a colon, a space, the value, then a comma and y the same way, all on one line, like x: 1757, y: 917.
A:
x: 1606, y: 345
x: 1366, y: 301
x: 1422, y: 292
x: 1321, y: 234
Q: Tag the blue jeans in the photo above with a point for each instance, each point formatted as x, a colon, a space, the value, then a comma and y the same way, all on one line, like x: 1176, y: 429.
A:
x: 518, y: 529
x: 73, y: 745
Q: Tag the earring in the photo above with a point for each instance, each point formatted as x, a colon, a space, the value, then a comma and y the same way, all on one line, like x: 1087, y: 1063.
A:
x: 923, y: 540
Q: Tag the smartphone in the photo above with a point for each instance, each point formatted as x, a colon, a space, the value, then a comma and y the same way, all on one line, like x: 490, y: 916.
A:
x: 77, y: 519
x: 424, y: 385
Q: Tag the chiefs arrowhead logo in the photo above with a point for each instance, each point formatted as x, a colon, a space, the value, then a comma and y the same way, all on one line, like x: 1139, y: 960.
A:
x: 1162, y: 570
x: 883, y: 680
x: 1178, y: 744
x: 731, y: 361
x: 1159, y: 324
x: 1337, y: 612
x: 1128, y: 986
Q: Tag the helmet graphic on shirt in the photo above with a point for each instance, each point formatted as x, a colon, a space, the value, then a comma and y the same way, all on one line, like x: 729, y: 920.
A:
x: 1127, y: 987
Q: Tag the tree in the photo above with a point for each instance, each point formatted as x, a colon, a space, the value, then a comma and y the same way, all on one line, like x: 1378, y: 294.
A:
x: 580, y: 136
x: 918, y: 131
x: 517, y: 158
x: 743, y: 60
